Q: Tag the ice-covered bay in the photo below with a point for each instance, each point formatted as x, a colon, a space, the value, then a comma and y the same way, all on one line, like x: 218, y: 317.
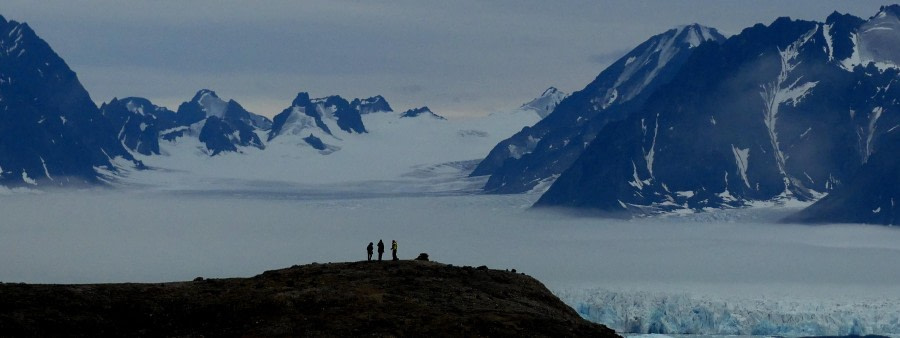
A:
x: 719, y: 273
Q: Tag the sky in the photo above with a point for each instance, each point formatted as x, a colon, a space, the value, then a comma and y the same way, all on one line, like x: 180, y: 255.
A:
x: 460, y: 58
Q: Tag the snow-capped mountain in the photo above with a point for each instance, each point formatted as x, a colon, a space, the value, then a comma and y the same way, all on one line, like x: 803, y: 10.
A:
x: 543, y: 105
x: 51, y: 133
x: 323, y: 122
x: 789, y: 110
x: 139, y: 122
x: 540, y: 153
x: 221, y: 126
x: 421, y: 112
x: 306, y: 145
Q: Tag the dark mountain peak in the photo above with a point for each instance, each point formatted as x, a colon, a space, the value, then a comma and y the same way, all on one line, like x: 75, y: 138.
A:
x: 333, y: 108
x: 51, y: 129
x: 139, y: 122
x: 892, y: 10
x: 848, y: 19
x: 301, y: 100
x: 203, y: 93
x: 692, y: 34
x: 422, y: 111
x: 333, y: 100
x: 549, y: 91
x: 16, y: 29
x: 375, y: 104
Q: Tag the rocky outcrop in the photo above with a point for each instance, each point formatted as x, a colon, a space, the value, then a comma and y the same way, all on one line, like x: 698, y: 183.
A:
x: 405, y: 298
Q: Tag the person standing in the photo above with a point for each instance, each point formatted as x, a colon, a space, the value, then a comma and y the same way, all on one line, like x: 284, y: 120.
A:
x: 369, y: 251
x: 380, y: 249
x: 394, y: 248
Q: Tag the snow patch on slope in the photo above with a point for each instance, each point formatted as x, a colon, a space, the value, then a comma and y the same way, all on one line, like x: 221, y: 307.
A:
x: 740, y: 158
x: 781, y: 91
x: 212, y: 104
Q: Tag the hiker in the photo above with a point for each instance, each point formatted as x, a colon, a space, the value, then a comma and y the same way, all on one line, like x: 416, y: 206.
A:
x: 394, y: 249
x: 369, y: 251
x: 380, y: 249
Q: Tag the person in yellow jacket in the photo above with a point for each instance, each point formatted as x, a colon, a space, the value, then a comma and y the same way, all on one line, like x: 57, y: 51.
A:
x: 394, y: 249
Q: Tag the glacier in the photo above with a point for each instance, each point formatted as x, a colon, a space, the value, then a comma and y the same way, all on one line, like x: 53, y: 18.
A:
x: 684, y: 313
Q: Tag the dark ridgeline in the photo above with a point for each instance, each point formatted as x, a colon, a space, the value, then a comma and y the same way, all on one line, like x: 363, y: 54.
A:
x: 51, y: 133
x: 375, y: 104
x: 405, y: 298
x: 541, y: 152
x: 421, y: 111
x: 777, y: 111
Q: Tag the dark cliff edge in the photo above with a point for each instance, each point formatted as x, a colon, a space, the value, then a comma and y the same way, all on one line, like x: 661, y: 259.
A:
x: 406, y: 298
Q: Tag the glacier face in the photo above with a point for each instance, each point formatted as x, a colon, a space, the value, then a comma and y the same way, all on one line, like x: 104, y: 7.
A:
x: 683, y: 313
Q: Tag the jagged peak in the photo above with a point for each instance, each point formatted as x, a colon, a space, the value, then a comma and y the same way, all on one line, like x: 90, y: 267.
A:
x: 838, y: 16
x: 695, y: 34
x: 210, y: 103
x: 17, y: 28
x: 330, y: 100
x: 375, y: 98
x: 549, y: 91
x: 302, y: 99
x: 203, y: 92
x: 415, y: 112
x: 892, y: 10
x: 543, y: 105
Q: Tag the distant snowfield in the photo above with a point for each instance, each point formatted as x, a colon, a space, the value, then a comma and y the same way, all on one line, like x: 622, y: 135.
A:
x: 394, y: 149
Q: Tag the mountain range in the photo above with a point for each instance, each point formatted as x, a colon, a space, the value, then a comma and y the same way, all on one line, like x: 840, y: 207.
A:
x: 689, y: 119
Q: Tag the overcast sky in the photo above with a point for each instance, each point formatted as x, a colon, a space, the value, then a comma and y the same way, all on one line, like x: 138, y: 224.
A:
x: 458, y: 57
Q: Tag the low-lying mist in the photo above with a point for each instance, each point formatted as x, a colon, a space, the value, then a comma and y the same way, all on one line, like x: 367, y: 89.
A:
x: 115, y: 236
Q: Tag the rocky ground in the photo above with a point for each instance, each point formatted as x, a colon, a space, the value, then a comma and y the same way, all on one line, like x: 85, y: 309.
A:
x: 405, y: 298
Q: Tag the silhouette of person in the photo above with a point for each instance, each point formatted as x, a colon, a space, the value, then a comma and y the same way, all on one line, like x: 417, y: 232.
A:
x: 369, y: 251
x: 380, y: 249
x: 394, y: 249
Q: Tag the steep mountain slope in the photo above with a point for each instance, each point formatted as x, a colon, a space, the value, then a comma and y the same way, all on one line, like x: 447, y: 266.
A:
x: 780, y: 111
x: 870, y: 196
x: 541, y: 152
x: 139, y: 122
x: 51, y: 133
